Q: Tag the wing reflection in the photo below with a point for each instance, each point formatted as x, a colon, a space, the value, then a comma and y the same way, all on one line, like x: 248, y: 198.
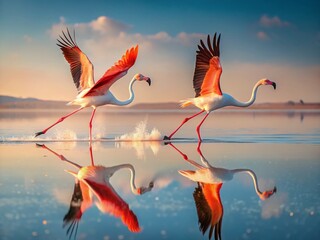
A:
x: 207, y: 194
x: 93, y: 187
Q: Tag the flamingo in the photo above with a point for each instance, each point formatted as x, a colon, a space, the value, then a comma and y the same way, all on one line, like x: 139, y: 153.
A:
x: 206, y: 83
x: 91, y: 94
x: 93, y: 187
x: 207, y: 195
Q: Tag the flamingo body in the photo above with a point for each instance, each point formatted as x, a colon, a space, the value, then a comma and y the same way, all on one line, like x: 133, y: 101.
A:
x: 208, y: 175
x: 95, y: 101
x: 206, y: 83
x: 93, y: 187
x: 91, y: 94
x: 207, y: 195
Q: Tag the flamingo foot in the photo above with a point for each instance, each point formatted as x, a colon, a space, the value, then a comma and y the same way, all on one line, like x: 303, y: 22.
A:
x: 39, y: 133
x: 166, y: 138
x: 39, y: 145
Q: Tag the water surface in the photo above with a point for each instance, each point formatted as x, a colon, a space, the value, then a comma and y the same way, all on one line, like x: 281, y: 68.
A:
x: 281, y: 148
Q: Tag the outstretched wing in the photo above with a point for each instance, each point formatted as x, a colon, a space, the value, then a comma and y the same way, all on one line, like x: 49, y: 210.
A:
x: 209, y: 208
x: 80, y: 66
x: 203, y: 209
x: 118, y: 70
x: 208, y: 70
x: 110, y: 202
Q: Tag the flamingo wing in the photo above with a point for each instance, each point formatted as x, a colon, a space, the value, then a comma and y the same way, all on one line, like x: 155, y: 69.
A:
x: 203, y: 209
x: 80, y: 66
x: 208, y: 70
x: 118, y: 70
x: 110, y: 202
x: 209, y: 208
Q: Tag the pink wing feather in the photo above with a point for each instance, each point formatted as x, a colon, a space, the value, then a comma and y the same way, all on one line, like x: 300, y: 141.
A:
x: 118, y: 70
x: 112, y: 203
x: 208, y: 70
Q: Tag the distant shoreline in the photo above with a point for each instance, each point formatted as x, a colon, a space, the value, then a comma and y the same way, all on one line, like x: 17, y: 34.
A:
x: 8, y: 102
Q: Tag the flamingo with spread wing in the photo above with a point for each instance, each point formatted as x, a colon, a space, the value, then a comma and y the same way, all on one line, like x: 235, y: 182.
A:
x: 206, y: 83
x: 93, y: 187
x: 206, y: 195
x: 91, y: 94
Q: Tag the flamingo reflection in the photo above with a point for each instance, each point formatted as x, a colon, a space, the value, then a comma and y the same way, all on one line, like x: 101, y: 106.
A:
x: 207, y: 194
x: 92, y: 186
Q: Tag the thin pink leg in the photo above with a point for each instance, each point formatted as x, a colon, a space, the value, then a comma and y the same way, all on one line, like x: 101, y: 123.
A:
x: 59, y: 121
x: 91, y: 155
x: 90, y: 123
x: 185, y: 157
x: 199, y: 150
x: 198, y: 127
x: 60, y: 156
x: 183, y: 122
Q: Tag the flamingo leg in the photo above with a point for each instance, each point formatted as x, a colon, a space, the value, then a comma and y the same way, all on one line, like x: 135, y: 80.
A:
x: 90, y: 123
x: 203, y: 159
x: 185, y: 157
x: 59, y: 121
x: 199, y: 149
x: 60, y: 156
x: 91, y: 155
x: 183, y: 122
x: 198, y: 127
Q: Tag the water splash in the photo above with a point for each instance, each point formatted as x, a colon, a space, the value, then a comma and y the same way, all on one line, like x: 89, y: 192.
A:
x: 58, y: 136
x: 66, y: 135
x: 141, y: 134
x: 141, y: 139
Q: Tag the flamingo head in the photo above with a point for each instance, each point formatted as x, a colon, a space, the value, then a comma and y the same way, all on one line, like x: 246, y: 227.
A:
x: 142, y: 190
x: 140, y: 77
x: 266, y: 194
x: 268, y: 82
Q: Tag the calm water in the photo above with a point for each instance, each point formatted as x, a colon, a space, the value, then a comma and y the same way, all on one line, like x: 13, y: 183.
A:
x: 280, y: 148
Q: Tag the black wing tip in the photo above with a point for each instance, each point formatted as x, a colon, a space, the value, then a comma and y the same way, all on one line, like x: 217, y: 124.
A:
x: 214, y: 47
x: 66, y: 40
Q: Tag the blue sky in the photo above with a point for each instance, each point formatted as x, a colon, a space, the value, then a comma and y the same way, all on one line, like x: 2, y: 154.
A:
x: 279, y: 40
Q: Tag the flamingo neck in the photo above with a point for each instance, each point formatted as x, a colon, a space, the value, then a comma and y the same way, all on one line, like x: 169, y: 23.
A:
x: 254, y: 178
x: 252, y: 98
x: 130, y: 99
x: 132, y: 178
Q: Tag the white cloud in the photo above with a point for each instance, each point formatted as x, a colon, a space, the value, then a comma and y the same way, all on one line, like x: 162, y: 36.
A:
x: 273, y: 207
x: 104, y: 24
x: 167, y: 59
x: 262, y: 35
x: 275, y: 21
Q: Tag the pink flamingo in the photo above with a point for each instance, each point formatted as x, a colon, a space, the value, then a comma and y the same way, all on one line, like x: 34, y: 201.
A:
x: 206, y: 83
x: 91, y: 94
x: 93, y: 187
x: 207, y: 195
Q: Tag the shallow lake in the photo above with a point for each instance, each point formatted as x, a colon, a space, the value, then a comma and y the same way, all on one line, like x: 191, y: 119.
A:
x: 246, y: 153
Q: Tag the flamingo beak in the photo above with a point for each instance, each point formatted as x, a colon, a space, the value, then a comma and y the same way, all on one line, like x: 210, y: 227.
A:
x: 268, y: 82
x: 148, y: 81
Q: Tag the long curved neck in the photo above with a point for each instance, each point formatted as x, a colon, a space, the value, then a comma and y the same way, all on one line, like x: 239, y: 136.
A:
x: 253, y: 176
x: 132, y: 177
x: 130, y: 99
x: 251, y: 100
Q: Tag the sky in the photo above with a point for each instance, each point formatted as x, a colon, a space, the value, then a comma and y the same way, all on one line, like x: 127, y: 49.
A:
x: 278, y: 40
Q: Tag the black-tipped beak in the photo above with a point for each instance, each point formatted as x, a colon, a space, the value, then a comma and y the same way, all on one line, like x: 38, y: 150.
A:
x: 274, y: 85
x: 149, y: 81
